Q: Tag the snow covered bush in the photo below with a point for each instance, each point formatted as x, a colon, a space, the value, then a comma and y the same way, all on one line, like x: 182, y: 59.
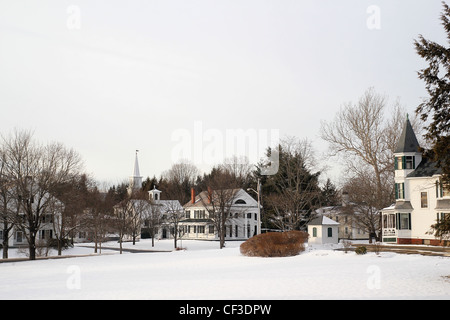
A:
x: 275, y: 244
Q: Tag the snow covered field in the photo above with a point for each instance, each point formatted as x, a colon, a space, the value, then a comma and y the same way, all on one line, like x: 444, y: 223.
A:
x: 205, y: 272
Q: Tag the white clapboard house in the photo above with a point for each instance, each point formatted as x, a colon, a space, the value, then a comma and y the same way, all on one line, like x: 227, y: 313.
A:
x: 243, y: 222
x: 421, y: 198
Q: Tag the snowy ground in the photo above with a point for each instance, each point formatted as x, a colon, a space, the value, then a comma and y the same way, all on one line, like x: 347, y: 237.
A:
x: 205, y: 272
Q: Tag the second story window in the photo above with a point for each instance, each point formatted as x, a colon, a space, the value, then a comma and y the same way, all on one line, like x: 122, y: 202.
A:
x: 404, y: 162
x: 442, y: 190
x: 399, y: 191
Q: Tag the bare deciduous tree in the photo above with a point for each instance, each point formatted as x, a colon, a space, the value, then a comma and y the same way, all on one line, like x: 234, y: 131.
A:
x: 173, y: 214
x: 179, y: 180
x: 365, y: 138
x: 36, y: 170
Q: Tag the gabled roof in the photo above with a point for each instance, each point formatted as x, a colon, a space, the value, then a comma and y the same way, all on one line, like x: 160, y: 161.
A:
x: 408, y: 141
x: 323, y: 221
x: 203, y: 198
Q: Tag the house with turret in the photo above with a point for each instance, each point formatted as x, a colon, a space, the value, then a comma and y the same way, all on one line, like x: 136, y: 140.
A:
x: 421, y: 199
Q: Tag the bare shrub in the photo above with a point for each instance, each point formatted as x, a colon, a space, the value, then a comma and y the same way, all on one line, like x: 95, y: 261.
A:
x: 377, y: 248
x: 347, y: 245
x: 275, y: 244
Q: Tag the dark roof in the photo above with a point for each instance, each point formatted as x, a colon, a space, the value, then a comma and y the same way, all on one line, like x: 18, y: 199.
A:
x: 403, y: 205
x: 426, y: 168
x: 322, y: 220
x: 443, y: 204
x: 408, y: 141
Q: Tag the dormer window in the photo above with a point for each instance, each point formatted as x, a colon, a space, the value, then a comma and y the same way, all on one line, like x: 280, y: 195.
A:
x: 404, y: 162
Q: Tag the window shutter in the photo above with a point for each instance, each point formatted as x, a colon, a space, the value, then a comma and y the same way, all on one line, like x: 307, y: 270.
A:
x: 409, y: 221
x: 403, y: 162
x: 395, y: 163
x: 437, y: 189
x: 397, y: 221
x: 414, y: 162
x: 403, y: 190
x: 396, y: 191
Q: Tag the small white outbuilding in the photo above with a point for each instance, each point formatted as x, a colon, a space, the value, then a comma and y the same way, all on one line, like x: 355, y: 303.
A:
x: 323, y: 230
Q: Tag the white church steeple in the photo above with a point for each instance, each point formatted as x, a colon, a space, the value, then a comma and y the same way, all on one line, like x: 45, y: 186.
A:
x: 136, y: 179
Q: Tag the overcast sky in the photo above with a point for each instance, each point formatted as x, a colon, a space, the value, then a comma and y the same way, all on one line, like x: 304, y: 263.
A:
x: 110, y: 77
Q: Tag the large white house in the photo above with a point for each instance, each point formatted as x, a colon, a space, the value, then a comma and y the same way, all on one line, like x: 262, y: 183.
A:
x: 421, y: 199
x: 194, y: 220
x: 243, y: 222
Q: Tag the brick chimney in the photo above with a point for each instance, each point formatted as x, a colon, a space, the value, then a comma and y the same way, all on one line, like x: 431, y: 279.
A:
x: 209, y: 194
x: 192, y: 195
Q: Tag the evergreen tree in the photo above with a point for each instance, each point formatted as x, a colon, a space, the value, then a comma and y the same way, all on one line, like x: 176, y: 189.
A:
x: 330, y: 194
x: 437, y: 106
x: 291, y: 195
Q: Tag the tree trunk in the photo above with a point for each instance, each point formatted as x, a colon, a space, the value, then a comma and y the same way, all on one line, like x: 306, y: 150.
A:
x: 5, y: 243
x: 32, y: 246
x: 60, y: 247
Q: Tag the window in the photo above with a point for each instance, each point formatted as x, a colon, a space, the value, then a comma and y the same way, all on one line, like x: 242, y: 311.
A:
x: 424, y: 200
x: 330, y: 232
x: 236, y: 231
x: 398, y: 163
x: 405, y: 162
x: 441, y: 216
x: 399, y: 191
x: 19, y: 236
x: 389, y: 221
x: 188, y: 214
x: 442, y: 190
x: 404, y: 221
x: 314, y: 232
x: 240, y: 201
x: 201, y: 229
x: 409, y: 161
x: 211, y: 229
x: 199, y: 214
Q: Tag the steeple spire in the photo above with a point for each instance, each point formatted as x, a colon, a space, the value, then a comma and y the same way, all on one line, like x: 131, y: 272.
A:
x: 136, y: 179
x: 136, y: 166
